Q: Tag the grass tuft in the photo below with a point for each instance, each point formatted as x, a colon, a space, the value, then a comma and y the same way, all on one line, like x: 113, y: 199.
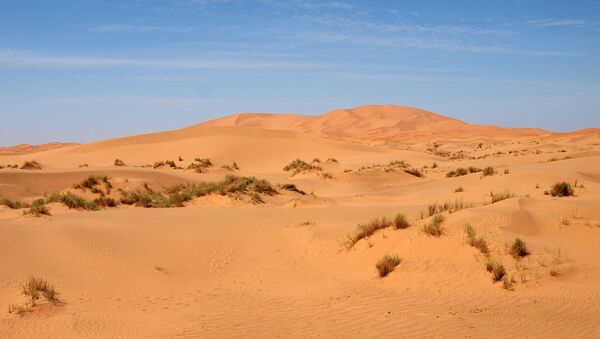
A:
x: 119, y: 163
x: 31, y: 165
x: 298, y: 166
x: 434, y: 228
x: 387, y: 264
x: 414, y: 171
x: 496, y: 268
x: 472, y: 240
x: 400, y: 222
x: 518, y: 248
x: 561, y: 189
x: 496, y: 197
x: 366, y: 230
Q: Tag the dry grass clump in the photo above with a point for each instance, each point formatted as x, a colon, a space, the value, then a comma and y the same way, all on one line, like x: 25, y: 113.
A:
x: 472, y: 240
x: 35, y: 289
x: 92, y: 182
x: 496, y: 197
x: 495, y: 267
x: 72, y: 201
x: 562, y: 189
x: 326, y: 175
x: 366, y: 230
x: 200, y: 165
x: 434, y: 228
x: 449, y: 206
x: 233, y: 167
x: 37, y: 209
x: 518, y: 248
x: 387, y: 264
x: 462, y: 171
x: 333, y: 160
x: 31, y: 165
x: 400, y: 222
x: 119, y: 163
x: 414, y: 171
x: 459, y: 189
x: 13, y: 204
x: 488, y: 171
x: 299, y: 166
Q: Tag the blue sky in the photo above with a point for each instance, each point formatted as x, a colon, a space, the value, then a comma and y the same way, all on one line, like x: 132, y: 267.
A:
x: 87, y: 70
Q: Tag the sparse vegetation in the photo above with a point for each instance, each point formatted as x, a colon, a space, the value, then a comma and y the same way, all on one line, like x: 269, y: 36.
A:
x: 31, y: 165
x: 292, y: 188
x: 326, y: 175
x: 37, y: 210
x: 333, y: 160
x: 474, y: 241
x: 561, y: 189
x: 200, y: 165
x: 434, y: 228
x: 366, y: 230
x: 119, y: 163
x: 387, y: 264
x: 449, y: 206
x: 496, y: 197
x: 298, y: 166
x: 518, y: 248
x: 92, y: 181
x: 488, y: 171
x: 72, y: 201
x: 414, y: 171
x: 13, y: 204
x: 459, y: 189
x: 400, y: 222
x: 495, y: 267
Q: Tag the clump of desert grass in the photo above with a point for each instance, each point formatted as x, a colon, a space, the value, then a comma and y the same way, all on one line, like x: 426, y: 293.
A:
x: 459, y: 189
x: 159, y: 164
x: 92, y: 182
x: 200, y: 165
x: 414, y: 171
x: 326, y: 175
x: 233, y: 167
x: 434, y: 227
x: 332, y: 160
x: 13, y: 204
x: 400, y: 222
x: 366, y: 230
x: 488, y: 171
x: 37, y: 209
x: 35, y: 289
x: 449, y: 206
x: 72, y: 201
x: 462, y: 171
x: 474, y: 241
x: 518, y: 248
x: 31, y: 165
x: 387, y: 264
x: 495, y: 267
x: 119, y: 163
x: 562, y: 189
x: 299, y: 166
x: 499, y: 196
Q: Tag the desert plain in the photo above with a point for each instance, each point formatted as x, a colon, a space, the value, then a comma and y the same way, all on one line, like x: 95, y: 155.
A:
x: 272, y: 225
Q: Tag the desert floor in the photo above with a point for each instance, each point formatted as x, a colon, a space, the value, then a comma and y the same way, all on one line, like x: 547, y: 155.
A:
x: 229, y: 266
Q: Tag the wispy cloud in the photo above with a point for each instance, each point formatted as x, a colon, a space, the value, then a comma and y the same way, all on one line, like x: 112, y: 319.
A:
x: 21, y: 59
x: 311, y: 5
x: 120, y: 28
x: 556, y: 23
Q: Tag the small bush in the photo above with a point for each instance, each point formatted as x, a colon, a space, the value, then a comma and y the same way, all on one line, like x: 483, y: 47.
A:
x: 459, y: 189
x: 72, y: 201
x: 119, y: 163
x: 366, y: 230
x: 200, y: 164
x: 92, y: 181
x: 105, y: 202
x: 299, y: 166
x: 414, y: 171
x: 13, y: 204
x: 334, y: 160
x: 449, y: 206
x: 435, y: 165
x: 561, y: 189
x: 518, y: 248
x: 292, y: 188
x: 457, y: 172
x: 400, y: 222
x: 326, y: 175
x: 488, y: 171
x: 496, y: 197
x: 496, y: 268
x: 37, y: 210
x: 387, y: 264
x: 31, y: 165
x: 434, y: 228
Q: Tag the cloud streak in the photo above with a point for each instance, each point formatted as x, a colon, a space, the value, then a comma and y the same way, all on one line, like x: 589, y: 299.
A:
x: 541, y: 23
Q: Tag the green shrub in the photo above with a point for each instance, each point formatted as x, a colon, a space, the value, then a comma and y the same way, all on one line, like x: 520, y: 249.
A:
x: 387, y: 264
x: 434, y: 228
x: 561, y: 189
x: 518, y: 248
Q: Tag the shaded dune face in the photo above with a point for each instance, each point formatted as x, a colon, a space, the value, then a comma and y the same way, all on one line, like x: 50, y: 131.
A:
x: 362, y: 185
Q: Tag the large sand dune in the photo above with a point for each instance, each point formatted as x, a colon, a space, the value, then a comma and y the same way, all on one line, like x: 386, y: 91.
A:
x: 223, y: 266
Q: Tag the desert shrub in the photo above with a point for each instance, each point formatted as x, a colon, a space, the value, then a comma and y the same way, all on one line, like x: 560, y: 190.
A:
x: 472, y: 240
x: 200, y: 164
x: 31, y: 165
x: 561, y: 189
x: 298, y: 166
x: 414, y: 171
x: 387, y: 264
x: 292, y: 188
x: 435, y: 165
x: 472, y: 169
x: 20, y: 309
x: 256, y: 199
x: 457, y: 172
x: 499, y: 196
x: 366, y: 230
x: 434, y: 227
x: 72, y: 201
x: 13, y: 204
x: 459, y: 189
x: 488, y: 171
x: 506, y: 171
x: 35, y: 288
x: 171, y: 163
x: 105, y: 202
x: 37, y: 210
x: 326, y: 175
x: 180, y: 159
x: 496, y: 268
x: 334, y: 160
x: 158, y: 164
x: 119, y: 163
x: 83, y: 165
x: 518, y: 248
x: 400, y: 222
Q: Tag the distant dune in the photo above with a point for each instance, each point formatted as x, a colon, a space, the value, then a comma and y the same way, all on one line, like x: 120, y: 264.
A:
x: 26, y: 148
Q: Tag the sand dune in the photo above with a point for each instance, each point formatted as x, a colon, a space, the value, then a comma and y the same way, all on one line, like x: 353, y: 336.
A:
x: 225, y: 265
x: 26, y: 148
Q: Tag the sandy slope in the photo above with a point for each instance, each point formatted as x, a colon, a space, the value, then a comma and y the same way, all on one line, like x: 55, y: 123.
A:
x: 221, y: 268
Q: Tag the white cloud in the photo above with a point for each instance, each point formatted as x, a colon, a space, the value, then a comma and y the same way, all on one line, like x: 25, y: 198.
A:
x: 556, y: 23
